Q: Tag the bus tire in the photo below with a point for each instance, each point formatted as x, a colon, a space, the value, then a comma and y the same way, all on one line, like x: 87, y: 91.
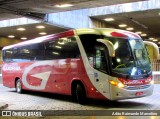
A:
x: 19, y: 86
x: 81, y: 94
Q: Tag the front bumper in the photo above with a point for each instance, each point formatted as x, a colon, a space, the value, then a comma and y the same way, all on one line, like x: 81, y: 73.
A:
x: 130, y: 91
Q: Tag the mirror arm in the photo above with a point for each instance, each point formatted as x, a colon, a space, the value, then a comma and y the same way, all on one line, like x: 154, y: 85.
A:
x: 109, y: 45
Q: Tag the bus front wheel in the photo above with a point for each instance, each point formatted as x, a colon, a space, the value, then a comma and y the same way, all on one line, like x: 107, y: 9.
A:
x: 81, y: 94
x: 18, y: 86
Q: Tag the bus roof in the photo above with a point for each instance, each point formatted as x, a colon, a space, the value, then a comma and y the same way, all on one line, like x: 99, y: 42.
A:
x: 41, y: 39
x: 110, y: 32
x: 99, y: 31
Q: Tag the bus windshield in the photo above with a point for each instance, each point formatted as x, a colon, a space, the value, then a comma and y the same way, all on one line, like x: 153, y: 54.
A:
x: 131, y: 58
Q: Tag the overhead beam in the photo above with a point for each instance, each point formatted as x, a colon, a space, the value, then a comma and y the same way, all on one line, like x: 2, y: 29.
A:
x: 17, y: 22
x: 15, y: 11
x: 123, y: 8
x: 81, y: 18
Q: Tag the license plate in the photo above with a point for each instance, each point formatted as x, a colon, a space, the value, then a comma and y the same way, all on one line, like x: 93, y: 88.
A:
x: 139, y: 93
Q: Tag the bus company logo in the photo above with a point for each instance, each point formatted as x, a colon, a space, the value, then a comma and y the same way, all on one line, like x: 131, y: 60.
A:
x: 11, y: 68
x: 44, y: 76
x: 133, y: 82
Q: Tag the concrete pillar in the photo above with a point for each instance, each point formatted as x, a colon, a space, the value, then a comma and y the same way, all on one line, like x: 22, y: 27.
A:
x: 70, y: 19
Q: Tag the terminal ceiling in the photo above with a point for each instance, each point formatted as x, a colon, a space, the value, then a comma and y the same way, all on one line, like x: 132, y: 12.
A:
x: 146, y: 21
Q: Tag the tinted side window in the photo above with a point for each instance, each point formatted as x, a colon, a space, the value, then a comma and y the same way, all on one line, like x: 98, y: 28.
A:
x: 7, y: 55
x: 62, y: 48
x: 24, y: 53
x: 38, y: 51
x: 96, y: 52
x: 31, y: 52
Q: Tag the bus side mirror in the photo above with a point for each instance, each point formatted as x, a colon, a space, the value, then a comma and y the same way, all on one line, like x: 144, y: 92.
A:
x: 152, y: 49
x: 109, y: 45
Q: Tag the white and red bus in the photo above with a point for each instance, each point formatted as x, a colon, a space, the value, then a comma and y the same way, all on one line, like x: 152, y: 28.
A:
x: 85, y: 63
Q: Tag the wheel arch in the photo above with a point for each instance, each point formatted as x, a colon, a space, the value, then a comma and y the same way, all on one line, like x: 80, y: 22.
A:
x: 74, y: 83
x: 16, y: 81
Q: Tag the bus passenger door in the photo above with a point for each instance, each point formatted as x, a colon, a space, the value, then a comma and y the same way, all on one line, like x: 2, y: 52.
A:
x: 101, y: 70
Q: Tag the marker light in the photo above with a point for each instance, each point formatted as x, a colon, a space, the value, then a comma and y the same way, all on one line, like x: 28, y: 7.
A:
x: 92, y: 89
x: 119, y: 85
x: 113, y: 83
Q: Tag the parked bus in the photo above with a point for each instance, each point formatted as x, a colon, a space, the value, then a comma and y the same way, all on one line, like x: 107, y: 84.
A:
x: 85, y: 63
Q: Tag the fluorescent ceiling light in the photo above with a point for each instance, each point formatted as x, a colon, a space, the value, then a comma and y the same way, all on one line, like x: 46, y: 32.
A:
x: 130, y: 29
x: 122, y: 25
x: 151, y: 38
x: 155, y: 40
x: 23, y: 38
x: 143, y: 34
x: 61, y: 43
x: 109, y: 19
x: 40, y: 27
x: 56, y: 53
x: 64, y: 5
x: 58, y: 46
x: 11, y: 36
x: 21, y: 29
x: 42, y: 33
x: 138, y: 32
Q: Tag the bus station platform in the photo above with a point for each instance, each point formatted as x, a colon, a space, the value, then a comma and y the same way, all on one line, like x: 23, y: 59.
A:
x: 2, y: 104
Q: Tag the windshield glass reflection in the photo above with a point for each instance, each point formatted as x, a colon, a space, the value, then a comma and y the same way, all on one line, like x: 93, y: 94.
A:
x: 130, y: 57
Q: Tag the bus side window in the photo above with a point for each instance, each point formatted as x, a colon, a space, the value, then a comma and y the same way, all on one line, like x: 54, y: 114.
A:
x: 38, y: 51
x: 51, y: 52
x: 26, y: 53
x: 70, y: 48
x: 61, y: 48
x: 100, y: 62
x: 16, y: 55
x: 7, y: 55
x: 96, y: 52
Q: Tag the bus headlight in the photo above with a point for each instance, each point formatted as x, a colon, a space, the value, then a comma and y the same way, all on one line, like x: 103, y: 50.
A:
x: 152, y: 82
x: 119, y: 85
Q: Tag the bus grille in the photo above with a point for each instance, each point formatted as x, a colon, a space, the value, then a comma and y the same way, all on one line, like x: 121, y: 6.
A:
x: 137, y: 87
